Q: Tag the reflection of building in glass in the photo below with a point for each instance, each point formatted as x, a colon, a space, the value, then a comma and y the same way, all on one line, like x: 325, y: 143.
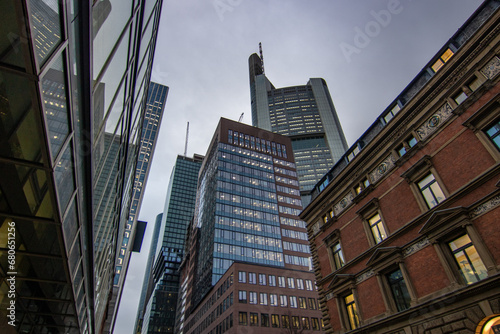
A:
x: 155, y: 104
x: 69, y: 142
x: 305, y: 114
x: 157, y: 315
x: 247, y: 246
x: 404, y: 232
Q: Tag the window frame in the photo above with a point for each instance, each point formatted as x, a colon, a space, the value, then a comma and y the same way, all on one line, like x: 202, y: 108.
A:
x: 483, y: 119
x: 446, y: 225
x: 416, y: 174
x: 242, y: 293
x: 366, y: 213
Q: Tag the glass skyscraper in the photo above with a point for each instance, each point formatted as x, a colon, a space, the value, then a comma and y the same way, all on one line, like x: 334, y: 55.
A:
x: 247, y: 205
x: 73, y: 82
x: 158, y: 315
x: 306, y: 115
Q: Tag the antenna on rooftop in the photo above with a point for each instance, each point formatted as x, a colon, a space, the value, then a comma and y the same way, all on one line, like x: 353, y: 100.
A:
x: 241, y: 117
x: 261, y: 57
x: 187, y: 136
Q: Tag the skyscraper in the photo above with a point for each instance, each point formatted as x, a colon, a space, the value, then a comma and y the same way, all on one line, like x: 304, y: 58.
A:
x: 73, y: 80
x: 306, y: 115
x: 246, y: 239
x: 158, y: 314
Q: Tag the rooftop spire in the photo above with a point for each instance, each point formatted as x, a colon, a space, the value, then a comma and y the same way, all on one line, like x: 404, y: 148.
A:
x: 261, y: 57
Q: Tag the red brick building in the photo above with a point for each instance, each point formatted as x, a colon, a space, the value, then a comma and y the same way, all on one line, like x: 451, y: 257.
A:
x: 405, y: 230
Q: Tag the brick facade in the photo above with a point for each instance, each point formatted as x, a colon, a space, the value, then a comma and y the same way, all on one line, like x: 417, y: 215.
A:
x: 415, y: 212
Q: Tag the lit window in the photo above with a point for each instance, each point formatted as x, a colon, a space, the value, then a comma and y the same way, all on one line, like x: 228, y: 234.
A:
x: 285, y: 321
x: 352, y: 311
x: 431, y: 191
x: 338, y: 256
x: 309, y: 285
x: 315, y: 324
x: 300, y: 284
x: 470, y: 264
x: 291, y: 283
x: 312, y: 304
x: 474, y: 84
x: 254, y: 319
x: 493, y: 133
x: 243, y: 318
x: 399, y: 290
x: 377, y: 228
x: 275, y: 320
x: 443, y: 59
x: 302, y: 302
x: 295, y: 322
x: 305, y: 323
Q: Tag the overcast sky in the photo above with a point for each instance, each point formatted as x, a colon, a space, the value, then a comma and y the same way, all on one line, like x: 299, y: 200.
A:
x: 368, y: 51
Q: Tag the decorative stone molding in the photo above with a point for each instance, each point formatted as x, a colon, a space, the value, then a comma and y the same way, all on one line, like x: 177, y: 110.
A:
x: 410, y: 250
x: 344, y: 203
x: 485, y: 207
x: 380, y: 171
x: 364, y: 276
x: 435, y: 121
x: 492, y: 68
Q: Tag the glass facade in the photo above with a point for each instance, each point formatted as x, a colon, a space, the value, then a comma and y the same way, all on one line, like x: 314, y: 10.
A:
x: 66, y: 182
x: 305, y: 114
x: 160, y: 312
x: 239, y: 215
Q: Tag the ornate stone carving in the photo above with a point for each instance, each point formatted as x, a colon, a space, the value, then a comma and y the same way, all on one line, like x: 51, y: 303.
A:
x: 485, y: 207
x: 415, y: 247
x: 364, y: 276
x: 344, y: 203
x: 492, y: 68
x: 435, y: 121
x: 385, y: 166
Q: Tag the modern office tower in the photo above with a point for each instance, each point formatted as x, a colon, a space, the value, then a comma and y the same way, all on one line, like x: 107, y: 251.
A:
x: 306, y: 115
x: 404, y: 232
x: 249, y: 261
x: 148, y: 281
x: 73, y: 82
x: 155, y: 104
x: 157, y: 315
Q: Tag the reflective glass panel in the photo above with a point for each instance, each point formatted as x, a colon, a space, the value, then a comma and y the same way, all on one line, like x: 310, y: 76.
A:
x: 54, y: 100
x: 45, y: 27
x: 19, y: 131
x: 11, y: 38
x: 65, y: 179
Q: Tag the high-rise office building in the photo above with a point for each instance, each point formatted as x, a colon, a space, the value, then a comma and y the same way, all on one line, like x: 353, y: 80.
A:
x: 73, y: 82
x: 157, y: 315
x: 147, y: 281
x: 248, y: 256
x: 306, y: 115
